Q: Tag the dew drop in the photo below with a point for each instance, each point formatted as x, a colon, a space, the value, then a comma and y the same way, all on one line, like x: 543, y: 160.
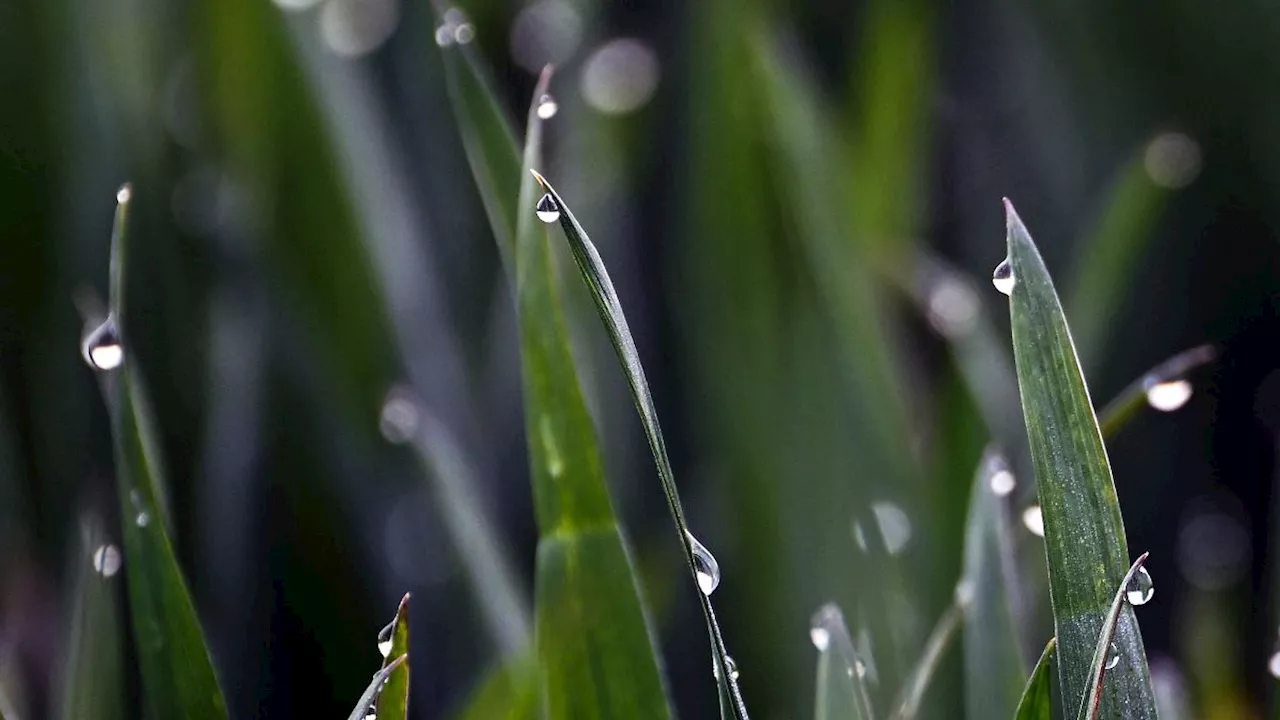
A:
x: 143, y: 519
x: 106, y: 560
x: 1140, y: 588
x: 964, y: 593
x: 1002, y: 482
x: 548, y: 211
x: 895, y: 526
x: 705, y: 566
x: 1273, y: 665
x: 728, y: 663
x: 1169, y: 396
x: 124, y: 194
x: 101, y: 347
x: 821, y: 638
x: 464, y: 33
x: 1033, y: 519
x: 1113, y: 659
x: 859, y: 536
x: 444, y: 35
x: 1003, y: 278
x: 547, y: 107
x: 384, y: 639
x: 399, y: 418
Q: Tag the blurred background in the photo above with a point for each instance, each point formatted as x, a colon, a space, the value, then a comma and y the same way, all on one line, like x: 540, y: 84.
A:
x: 314, y: 280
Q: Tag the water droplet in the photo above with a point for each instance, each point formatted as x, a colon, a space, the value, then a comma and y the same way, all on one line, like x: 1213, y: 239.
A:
x: 705, y: 566
x: 548, y: 211
x: 1033, y: 519
x: 953, y: 307
x: 859, y: 536
x: 547, y: 107
x: 1141, y: 588
x: 143, y: 519
x: 1113, y: 659
x: 1169, y: 396
x: 101, y: 347
x: 124, y: 194
x: 895, y: 526
x: 1172, y: 160
x: 555, y: 462
x: 964, y: 593
x: 1273, y: 665
x: 858, y: 668
x: 384, y: 639
x: 1003, y: 278
x: 464, y: 33
x: 106, y: 560
x: 398, y: 421
x: 1003, y: 482
x: 729, y: 663
x: 821, y: 638
x: 444, y: 35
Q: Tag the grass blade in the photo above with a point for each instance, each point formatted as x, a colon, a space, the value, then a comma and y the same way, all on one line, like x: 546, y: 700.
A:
x: 370, y: 695
x: 994, y: 666
x: 94, y: 683
x: 841, y: 691
x: 593, y: 271
x: 178, y: 678
x: 1084, y: 533
x: 1164, y: 387
x: 393, y: 642
x: 510, y: 692
x: 1037, y: 698
x: 908, y: 705
x: 1091, y: 703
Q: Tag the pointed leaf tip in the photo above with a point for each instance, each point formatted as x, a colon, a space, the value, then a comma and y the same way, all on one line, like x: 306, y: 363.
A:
x: 538, y: 176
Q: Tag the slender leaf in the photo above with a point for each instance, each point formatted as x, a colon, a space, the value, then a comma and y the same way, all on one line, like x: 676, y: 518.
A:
x: 841, y: 690
x: 1084, y: 534
x: 370, y: 696
x: 593, y: 271
x: 178, y: 678
x: 393, y: 701
x: 1037, y: 698
x: 1092, y: 701
x: 913, y: 691
x: 1170, y: 375
x: 994, y: 666
x: 510, y: 692
x: 94, y: 683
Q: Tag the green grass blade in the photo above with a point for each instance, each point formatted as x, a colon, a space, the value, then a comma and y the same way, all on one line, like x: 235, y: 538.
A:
x: 510, y: 692
x: 1084, y: 533
x: 178, y: 679
x: 993, y: 664
x: 1091, y: 703
x: 393, y: 701
x: 370, y: 696
x: 841, y: 692
x: 593, y: 271
x: 94, y: 684
x: 913, y: 691
x: 1037, y: 698
x: 1164, y: 387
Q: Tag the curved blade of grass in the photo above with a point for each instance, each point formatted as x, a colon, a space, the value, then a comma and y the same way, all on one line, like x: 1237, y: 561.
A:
x: 1122, y: 408
x: 912, y: 694
x: 841, y: 691
x: 1037, y: 698
x: 1084, y: 533
x: 1092, y: 702
x: 994, y: 666
x: 393, y: 701
x: 593, y: 271
x: 595, y: 651
x: 510, y: 692
x: 370, y: 695
x: 178, y: 678
x: 94, y: 684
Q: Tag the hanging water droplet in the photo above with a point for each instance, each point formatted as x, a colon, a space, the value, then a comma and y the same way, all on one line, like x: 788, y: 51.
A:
x: 124, y: 194
x: 1033, y: 519
x: 464, y: 33
x: 384, y: 639
x: 895, y: 526
x: 101, y: 347
x: 858, y: 668
x: 1003, y: 482
x: 398, y: 421
x: 547, y: 107
x: 1140, y: 588
x: 1273, y: 665
x: 1003, y: 278
x: 444, y: 35
x: 964, y: 593
x: 106, y: 560
x: 1168, y: 396
x: 1113, y: 658
x: 821, y: 638
x: 142, y: 519
x: 705, y: 566
x: 859, y: 536
x: 548, y: 211
x: 729, y: 663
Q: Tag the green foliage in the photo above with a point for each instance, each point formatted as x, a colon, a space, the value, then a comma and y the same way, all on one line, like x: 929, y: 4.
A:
x: 392, y: 702
x: 1037, y: 698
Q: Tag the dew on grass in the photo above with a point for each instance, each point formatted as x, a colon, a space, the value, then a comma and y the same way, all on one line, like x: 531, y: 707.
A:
x: 547, y: 210
x: 1140, y: 588
x: 1003, y: 278
x: 547, y: 107
x: 102, y: 348
x: 705, y: 566
x: 1033, y: 519
x: 106, y: 560
x: 895, y: 526
x: 1170, y: 395
x: 1113, y: 657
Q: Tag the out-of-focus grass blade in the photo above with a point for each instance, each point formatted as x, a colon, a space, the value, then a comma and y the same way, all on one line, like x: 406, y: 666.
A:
x: 1084, y: 533
x: 510, y: 692
x: 913, y: 691
x: 1164, y: 387
x: 994, y: 668
x: 178, y: 679
x: 1037, y: 698
x: 1092, y: 701
x: 841, y: 692
x: 95, y: 680
x: 593, y: 642
x: 370, y: 695
x: 609, y: 307
x: 393, y: 642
